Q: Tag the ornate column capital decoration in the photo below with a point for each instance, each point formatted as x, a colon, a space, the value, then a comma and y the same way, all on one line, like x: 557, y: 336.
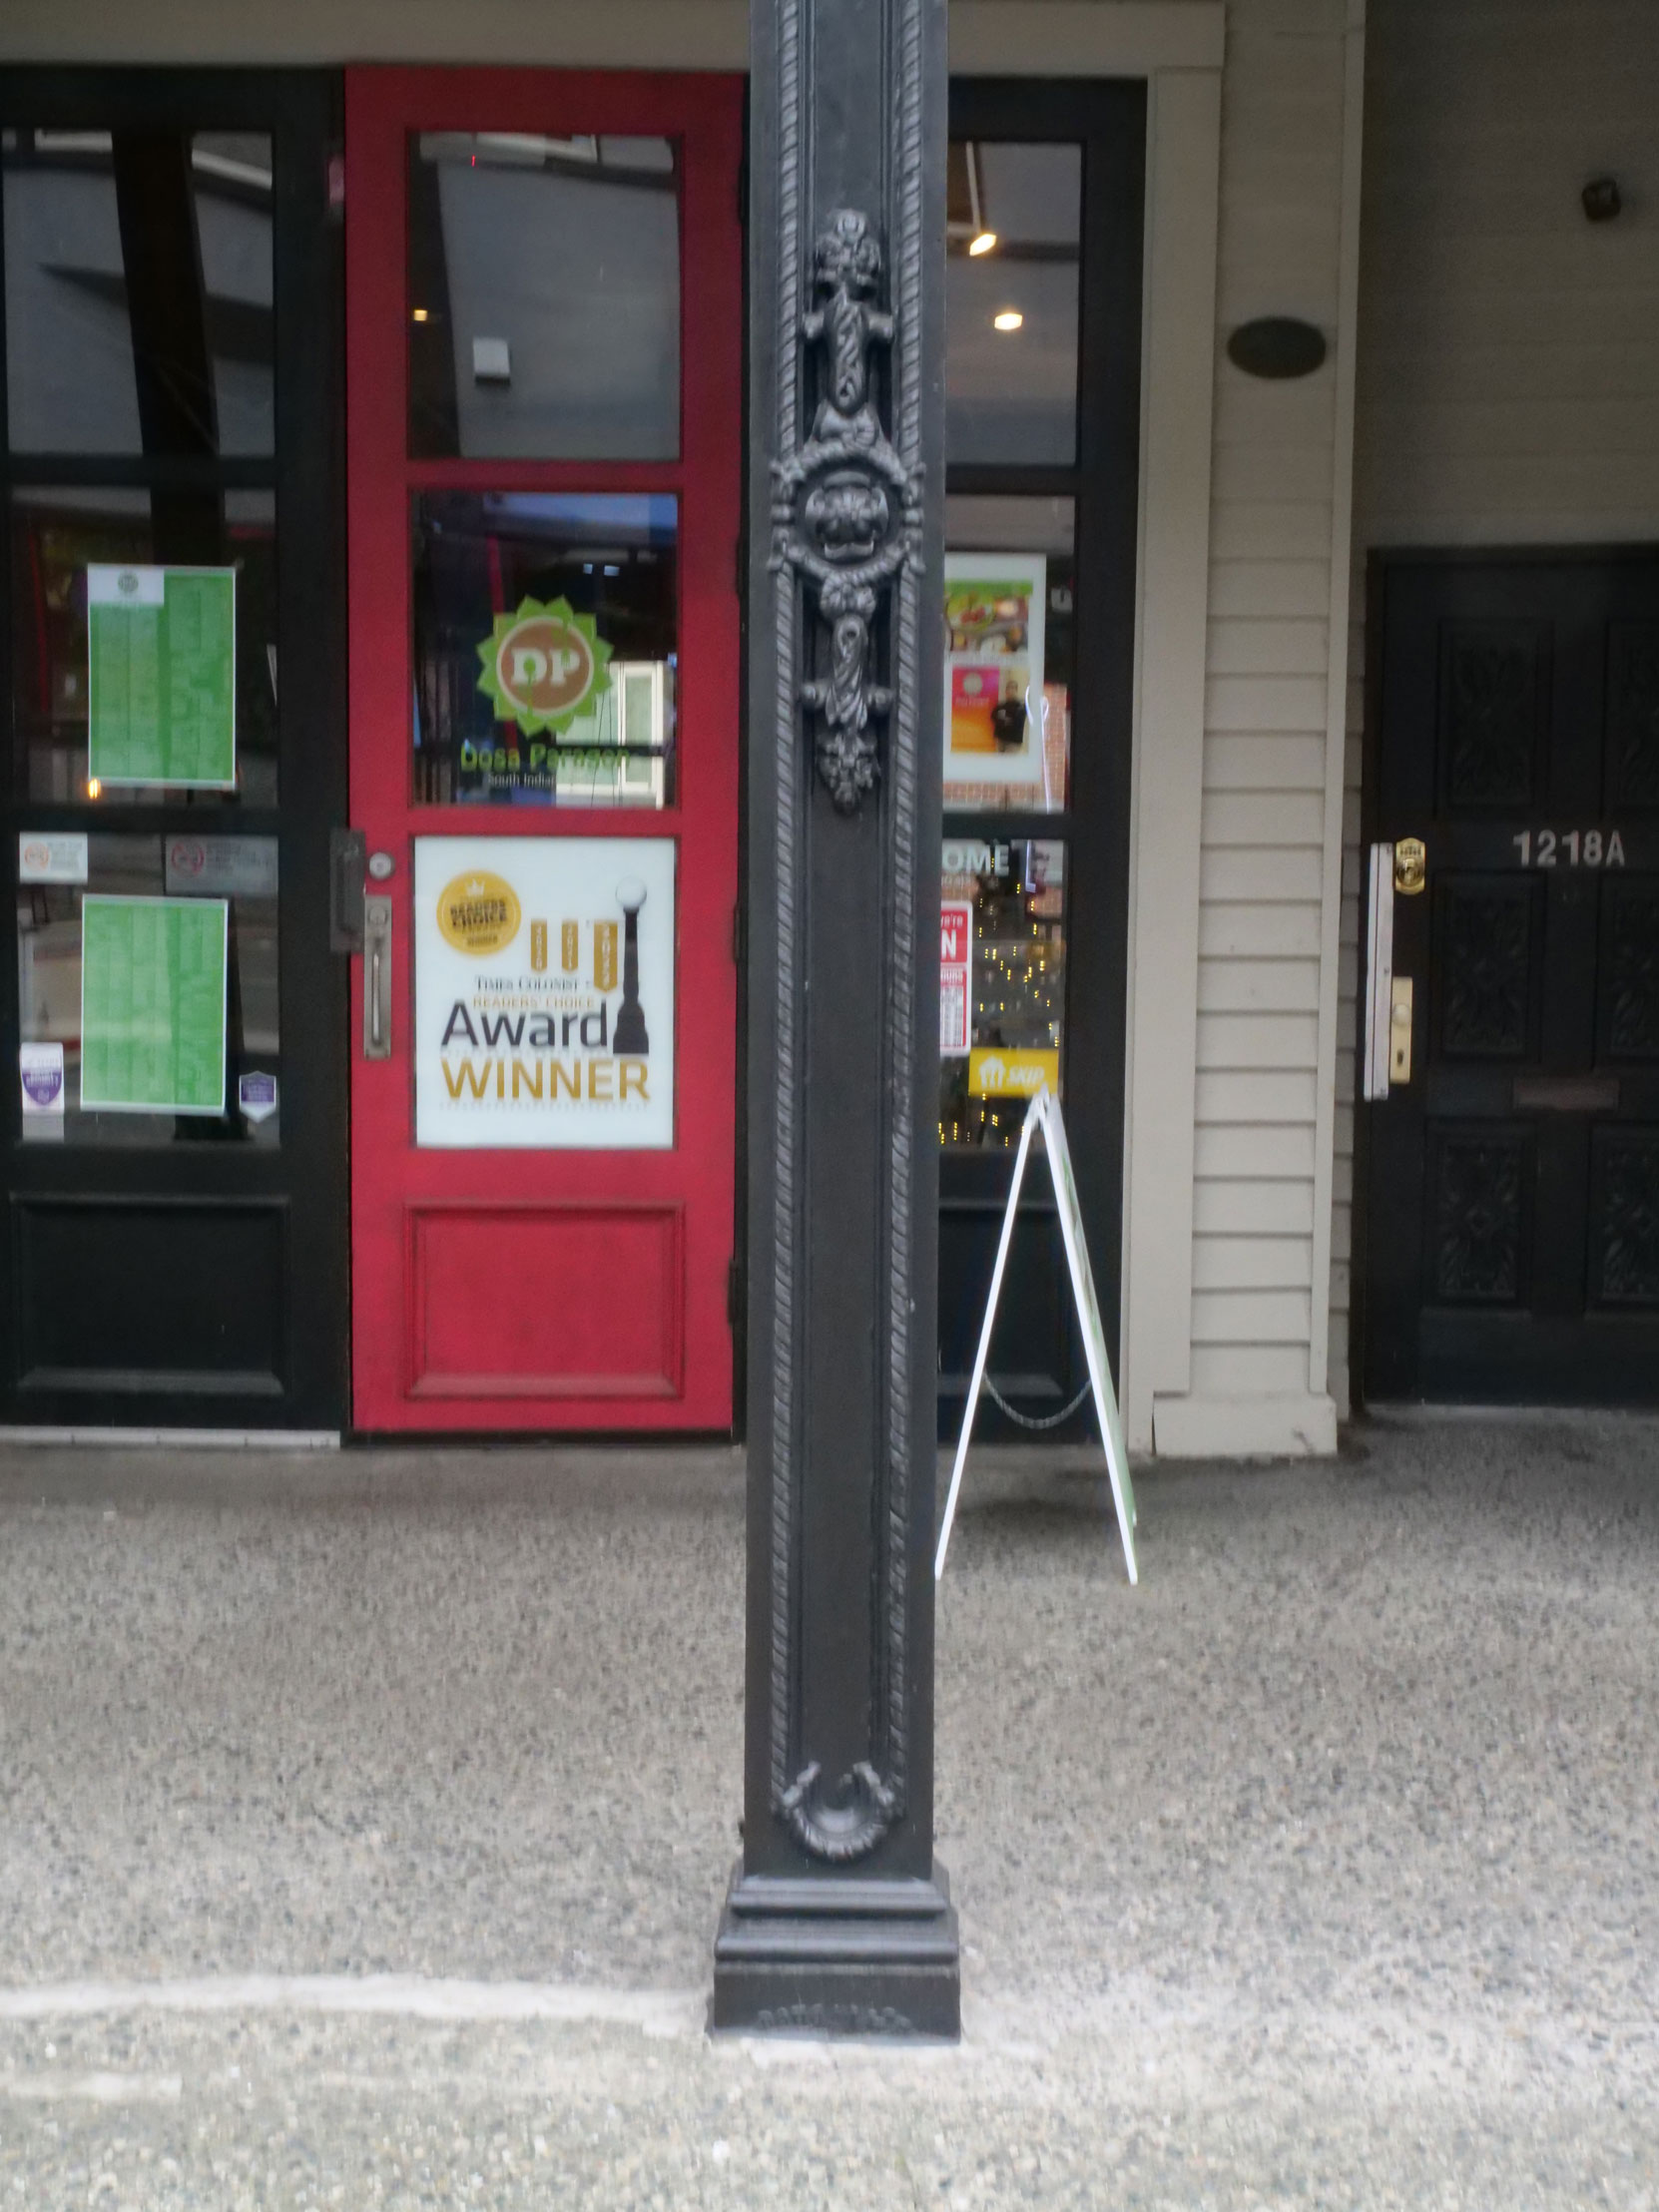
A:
x: 846, y: 511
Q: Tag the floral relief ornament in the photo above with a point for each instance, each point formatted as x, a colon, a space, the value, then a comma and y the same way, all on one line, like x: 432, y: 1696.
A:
x: 833, y: 506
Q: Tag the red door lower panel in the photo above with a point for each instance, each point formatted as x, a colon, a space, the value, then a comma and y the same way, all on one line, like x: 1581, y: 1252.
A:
x: 582, y: 1302
x: 544, y: 478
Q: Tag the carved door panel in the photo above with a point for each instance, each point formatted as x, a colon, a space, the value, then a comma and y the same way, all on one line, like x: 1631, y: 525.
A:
x: 1511, y: 1224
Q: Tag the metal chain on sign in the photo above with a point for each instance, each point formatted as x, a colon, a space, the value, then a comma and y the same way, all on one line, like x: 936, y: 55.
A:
x: 1035, y: 1421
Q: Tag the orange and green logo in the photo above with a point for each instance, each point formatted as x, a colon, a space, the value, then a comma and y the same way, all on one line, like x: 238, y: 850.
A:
x: 543, y: 665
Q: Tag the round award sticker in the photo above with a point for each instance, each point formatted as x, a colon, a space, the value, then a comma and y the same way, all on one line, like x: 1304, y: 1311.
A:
x: 478, y: 912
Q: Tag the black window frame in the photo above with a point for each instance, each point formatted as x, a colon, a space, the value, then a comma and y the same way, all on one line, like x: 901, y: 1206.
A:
x: 301, y: 1188
x: 1108, y: 119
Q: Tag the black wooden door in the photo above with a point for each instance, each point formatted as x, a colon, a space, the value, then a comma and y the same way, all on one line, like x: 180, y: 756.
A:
x: 174, y: 1217
x: 1513, y: 1217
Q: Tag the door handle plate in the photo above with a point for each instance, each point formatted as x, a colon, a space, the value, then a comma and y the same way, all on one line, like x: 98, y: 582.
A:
x: 377, y: 979
x: 345, y: 890
x: 1400, y: 1030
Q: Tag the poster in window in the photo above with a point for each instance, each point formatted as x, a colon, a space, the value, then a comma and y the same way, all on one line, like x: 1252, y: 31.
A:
x: 162, y: 676
x: 152, y: 1002
x: 994, y: 606
x: 544, y: 992
x: 955, y: 977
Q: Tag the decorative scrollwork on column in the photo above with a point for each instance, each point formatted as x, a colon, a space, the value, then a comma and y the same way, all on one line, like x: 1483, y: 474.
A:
x: 846, y: 527
x: 845, y: 1830
x: 847, y: 512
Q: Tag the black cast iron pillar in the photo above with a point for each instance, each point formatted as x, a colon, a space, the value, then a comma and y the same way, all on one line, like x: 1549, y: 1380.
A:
x: 838, y: 1921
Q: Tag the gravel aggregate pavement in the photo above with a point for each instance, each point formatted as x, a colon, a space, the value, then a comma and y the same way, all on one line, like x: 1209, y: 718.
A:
x: 363, y: 1822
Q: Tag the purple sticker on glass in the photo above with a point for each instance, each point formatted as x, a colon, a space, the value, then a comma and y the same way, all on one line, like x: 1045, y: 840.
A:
x: 257, y: 1095
x: 41, y: 1068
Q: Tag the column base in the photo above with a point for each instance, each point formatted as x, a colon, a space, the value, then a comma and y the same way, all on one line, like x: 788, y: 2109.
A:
x: 803, y: 1956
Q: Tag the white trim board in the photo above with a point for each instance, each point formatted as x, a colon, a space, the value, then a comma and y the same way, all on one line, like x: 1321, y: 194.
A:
x: 1335, y: 693
x: 1019, y: 38
x: 1245, y: 1427
x: 1085, y: 38
x: 630, y: 34
x: 1167, y: 801
x: 204, y: 1439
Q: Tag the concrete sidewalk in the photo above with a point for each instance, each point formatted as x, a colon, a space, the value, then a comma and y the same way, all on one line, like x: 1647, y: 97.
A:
x: 1321, y: 1870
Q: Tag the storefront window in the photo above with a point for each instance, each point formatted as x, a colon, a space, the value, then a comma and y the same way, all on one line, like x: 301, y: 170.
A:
x: 545, y: 647
x: 139, y: 292
x: 1008, y: 613
x: 1045, y: 211
x: 187, y: 714
x: 1013, y: 237
x: 544, y: 296
x: 1012, y: 389
x: 162, y: 1025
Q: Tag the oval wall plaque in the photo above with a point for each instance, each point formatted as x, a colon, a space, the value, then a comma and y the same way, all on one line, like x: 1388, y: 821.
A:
x: 1277, y: 346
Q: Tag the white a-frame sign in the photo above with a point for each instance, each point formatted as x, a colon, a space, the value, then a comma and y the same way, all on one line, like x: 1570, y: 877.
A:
x: 1044, y: 1113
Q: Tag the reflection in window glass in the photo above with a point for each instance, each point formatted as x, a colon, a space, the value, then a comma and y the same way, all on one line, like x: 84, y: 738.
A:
x: 1011, y: 280
x: 1003, y: 940
x: 243, y: 870
x: 544, y: 296
x: 1009, y: 578
x: 56, y: 535
x: 140, y: 312
x: 545, y: 648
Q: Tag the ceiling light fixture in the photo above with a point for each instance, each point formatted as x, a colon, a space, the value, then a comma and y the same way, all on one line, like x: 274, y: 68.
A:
x: 1009, y: 318
x: 985, y: 242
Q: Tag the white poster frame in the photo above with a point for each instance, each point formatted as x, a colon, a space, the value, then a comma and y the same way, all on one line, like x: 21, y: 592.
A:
x: 1043, y: 1113
x: 445, y: 978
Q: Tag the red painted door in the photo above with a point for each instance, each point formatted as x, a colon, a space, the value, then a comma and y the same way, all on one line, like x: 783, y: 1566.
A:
x: 544, y: 370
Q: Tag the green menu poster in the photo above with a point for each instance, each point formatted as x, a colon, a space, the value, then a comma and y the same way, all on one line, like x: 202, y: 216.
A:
x: 153, y: 976
x: 162, y: 676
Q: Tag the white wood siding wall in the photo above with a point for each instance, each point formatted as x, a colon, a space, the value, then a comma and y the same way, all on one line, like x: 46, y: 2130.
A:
x: 1509, y: 369
x: 1257, y: 1375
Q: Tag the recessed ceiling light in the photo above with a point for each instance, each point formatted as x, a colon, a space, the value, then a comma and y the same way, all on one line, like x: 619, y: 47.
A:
x: 1009, y: 318
x: 985, y: 242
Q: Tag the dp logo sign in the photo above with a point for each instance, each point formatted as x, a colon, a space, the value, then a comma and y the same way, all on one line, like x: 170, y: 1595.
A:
x: 543, y: 666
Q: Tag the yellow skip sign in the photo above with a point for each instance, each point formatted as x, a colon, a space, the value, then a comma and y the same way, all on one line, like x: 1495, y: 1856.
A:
x: 994, y: 1072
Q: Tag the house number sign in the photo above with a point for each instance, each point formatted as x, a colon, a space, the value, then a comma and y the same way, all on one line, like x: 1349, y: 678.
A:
x: 1569, y: 847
